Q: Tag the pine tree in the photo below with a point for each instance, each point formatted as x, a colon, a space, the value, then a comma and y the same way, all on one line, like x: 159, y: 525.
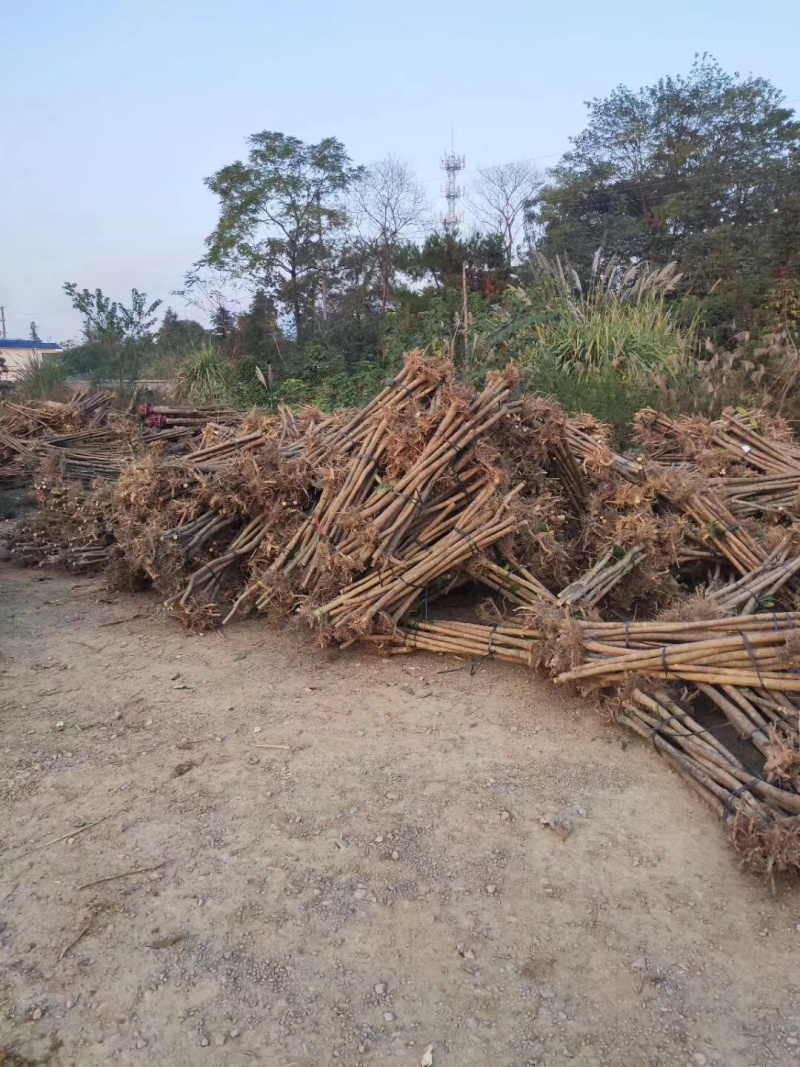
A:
x: 260, y: 329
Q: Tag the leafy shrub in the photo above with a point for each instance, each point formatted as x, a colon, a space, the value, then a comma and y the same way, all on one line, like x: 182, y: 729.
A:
x: 609, y: 397
x: 350, y: 388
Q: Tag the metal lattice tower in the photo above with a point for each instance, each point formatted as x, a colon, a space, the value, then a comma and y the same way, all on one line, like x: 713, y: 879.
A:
x: 452, y: 164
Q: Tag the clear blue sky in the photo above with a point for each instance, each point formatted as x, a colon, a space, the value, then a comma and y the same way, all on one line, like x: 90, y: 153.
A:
x: 113, y: 112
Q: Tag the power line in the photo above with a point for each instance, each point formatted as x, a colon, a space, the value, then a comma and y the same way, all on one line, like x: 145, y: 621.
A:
x: 550, y: 155
x: 620, y: 186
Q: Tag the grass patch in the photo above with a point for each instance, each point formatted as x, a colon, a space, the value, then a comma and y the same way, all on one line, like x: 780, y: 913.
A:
x: 41, y: 377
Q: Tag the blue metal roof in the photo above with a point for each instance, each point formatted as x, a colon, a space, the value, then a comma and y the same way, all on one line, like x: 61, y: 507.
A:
x: 6, y: 343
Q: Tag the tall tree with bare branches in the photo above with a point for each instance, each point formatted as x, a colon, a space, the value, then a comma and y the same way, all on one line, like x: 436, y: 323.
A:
x: 389, y: 207
x: 501, y: 197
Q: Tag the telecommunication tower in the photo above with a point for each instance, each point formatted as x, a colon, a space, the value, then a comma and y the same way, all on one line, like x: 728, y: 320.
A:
x: 452, y: 164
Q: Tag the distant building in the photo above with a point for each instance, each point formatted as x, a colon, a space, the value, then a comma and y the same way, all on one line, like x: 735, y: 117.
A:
x: 15, y: 353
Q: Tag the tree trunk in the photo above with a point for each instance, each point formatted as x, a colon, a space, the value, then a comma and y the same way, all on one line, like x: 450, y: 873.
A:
x: 323, y: 265
x: 386, y: 276
x: 298, y: 330
x: 384, y: 287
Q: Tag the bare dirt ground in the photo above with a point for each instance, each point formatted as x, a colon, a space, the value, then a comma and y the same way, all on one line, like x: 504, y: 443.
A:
x: 352, y: 867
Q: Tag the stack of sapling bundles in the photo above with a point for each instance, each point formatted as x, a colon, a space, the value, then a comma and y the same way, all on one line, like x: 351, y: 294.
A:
x: 667, y: 581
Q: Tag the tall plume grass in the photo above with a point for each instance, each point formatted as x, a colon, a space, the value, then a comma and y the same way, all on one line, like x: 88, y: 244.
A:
x: 620, y: 322
x: 40, y: 377
x: 202, y: 377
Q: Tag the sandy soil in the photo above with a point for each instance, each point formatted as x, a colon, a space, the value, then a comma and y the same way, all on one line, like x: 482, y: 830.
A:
x: 352, y: 866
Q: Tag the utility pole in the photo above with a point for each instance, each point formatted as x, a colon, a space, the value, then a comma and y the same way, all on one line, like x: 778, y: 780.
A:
x: 465, y: 313
x: 3, y: 320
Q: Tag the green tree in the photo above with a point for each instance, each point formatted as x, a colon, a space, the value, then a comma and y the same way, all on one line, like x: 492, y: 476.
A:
x: 259, y: 329
x: 704, y: 169
x: 440, y: 260
x: 121, y: 335
x: 225, y: 330
x: 279, y: 214
x: 177, y: 336
x: 35, y: 333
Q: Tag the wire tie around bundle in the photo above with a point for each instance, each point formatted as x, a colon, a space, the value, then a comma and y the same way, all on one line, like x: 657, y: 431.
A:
x: 458, y: 449
x: 747, y: 787
x: 490, y: 651
x: 753, y: 661
x: 411, y: 585
x: 368, y: 456
x: 422, y: 545
x: 753, y: 732
x: 463, y: 487
x: 415, y: 498
x: 468, y: 538
x: 664, y: 662
x: 396, y: 384
x: 660, y: 728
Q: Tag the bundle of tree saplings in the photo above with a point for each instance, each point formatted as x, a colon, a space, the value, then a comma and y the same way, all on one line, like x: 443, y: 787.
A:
x: 164, y: 416
x: 24, y: 427
x: 741, y: 676
x: 84, y: 437
x: 731, y: 732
